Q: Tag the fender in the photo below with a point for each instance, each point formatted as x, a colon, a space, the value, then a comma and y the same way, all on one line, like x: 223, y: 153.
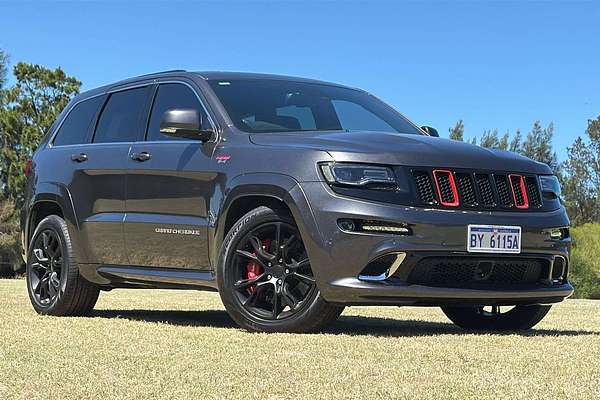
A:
x: 59, y: 194
x: 280, y: 187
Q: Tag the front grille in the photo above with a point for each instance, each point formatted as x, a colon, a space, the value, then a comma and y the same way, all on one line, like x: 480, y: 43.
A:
x: 466, y: 189
x: 446, y: 187
x: 504, y: 192
x: 487, y: 190
x: 424, y: 187
x: 519, y: 193
x: 533, y: 192
x: 473, y: 273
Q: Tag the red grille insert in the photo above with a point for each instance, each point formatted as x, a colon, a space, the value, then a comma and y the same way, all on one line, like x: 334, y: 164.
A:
x: 519, y: 191
x: 446, y: 187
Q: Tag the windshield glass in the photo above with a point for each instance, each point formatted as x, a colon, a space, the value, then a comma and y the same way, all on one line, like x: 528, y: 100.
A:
x: 269, y: 105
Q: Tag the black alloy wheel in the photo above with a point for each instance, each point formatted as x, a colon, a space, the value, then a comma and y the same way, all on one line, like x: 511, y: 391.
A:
x: 46, y: 274
x: 265, y: 277
x: 273, y: 270
x: 54, y: 283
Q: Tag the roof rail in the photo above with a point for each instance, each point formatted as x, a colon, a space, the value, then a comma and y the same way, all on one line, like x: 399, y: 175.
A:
x: 162, y: 72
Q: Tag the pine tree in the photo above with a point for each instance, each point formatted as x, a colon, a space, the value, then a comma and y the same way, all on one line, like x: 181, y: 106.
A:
x: 538, y: 146
x: 503, y: 142
x: 29, y: 109
x: 3, y: 67
x: 515, y: 144
x: 457, y: 132
x: 579, y: 191
x: 489, y: 139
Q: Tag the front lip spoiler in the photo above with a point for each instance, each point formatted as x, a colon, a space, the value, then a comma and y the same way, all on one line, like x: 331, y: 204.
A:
x: 355, y: 291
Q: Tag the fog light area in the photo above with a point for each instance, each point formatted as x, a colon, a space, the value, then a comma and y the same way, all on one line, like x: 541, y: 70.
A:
x: 371, y: 226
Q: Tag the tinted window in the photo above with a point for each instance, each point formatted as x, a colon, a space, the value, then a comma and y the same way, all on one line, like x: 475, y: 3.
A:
x: 354, y: 117
x: 276, y: 105
x: 120, y: 119
x: 75, y: 128
x: 303, y: 116
x: 170, y: 96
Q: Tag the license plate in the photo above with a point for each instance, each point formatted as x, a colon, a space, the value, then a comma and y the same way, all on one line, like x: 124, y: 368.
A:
x: 494, y: 239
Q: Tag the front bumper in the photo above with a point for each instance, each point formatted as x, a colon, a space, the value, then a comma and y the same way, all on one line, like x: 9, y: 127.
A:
x: 338, y: 257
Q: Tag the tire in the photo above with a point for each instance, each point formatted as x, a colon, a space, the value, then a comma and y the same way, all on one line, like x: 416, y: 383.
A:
x: 54, y: 284
x: 517, y: 319
x: 284, y: 296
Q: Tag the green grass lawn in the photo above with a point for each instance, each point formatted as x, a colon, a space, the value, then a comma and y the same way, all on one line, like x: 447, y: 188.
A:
x: 181, y: 344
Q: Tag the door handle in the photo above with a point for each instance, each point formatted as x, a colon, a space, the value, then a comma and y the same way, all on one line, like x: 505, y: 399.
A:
x: 81, y: 157
x: 143, y: 156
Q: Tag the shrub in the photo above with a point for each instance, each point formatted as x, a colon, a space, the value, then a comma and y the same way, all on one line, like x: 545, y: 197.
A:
x: 9, y: 238
x: 585, y: 261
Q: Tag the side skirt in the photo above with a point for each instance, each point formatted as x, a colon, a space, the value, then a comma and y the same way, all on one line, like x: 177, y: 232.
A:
x: 164, y: 278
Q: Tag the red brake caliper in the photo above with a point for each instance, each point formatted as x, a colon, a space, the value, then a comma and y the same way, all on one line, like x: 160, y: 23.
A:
x: 253, y: 269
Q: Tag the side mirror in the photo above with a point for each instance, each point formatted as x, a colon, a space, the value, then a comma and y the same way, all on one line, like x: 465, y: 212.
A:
x: 184, y: 123
x: 430, y: 131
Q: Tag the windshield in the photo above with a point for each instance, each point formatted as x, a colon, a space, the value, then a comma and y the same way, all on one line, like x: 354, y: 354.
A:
x: 269, y: 105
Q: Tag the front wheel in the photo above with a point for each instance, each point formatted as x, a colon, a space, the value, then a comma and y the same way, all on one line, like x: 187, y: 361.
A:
x: 497, y: 318
x: 265, y: 278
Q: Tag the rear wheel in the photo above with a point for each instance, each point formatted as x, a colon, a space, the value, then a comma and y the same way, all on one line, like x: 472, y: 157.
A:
x: 54, y: 284
x: 497, y: 318
x: 265, y: 278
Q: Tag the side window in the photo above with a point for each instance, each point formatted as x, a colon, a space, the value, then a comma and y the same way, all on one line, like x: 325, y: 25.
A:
x: 353, y: 116
x: 121, y: 117
x: 74, y: 129
x: 170, y: 96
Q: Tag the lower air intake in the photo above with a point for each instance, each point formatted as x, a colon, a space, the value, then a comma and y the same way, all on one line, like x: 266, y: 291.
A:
x: 473, y: 273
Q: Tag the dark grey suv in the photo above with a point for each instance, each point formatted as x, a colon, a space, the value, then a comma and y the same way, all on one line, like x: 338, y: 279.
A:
x: 291, y: 197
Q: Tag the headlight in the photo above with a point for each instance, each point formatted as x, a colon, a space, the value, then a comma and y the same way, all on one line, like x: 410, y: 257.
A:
x: 358, y: 175
x: 550, y: 184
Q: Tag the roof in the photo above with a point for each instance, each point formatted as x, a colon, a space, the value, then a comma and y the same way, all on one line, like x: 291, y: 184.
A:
x: 225, y: 75
x: 206, y: 75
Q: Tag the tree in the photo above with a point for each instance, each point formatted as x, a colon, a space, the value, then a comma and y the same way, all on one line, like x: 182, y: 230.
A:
x: 579, y: 191
x: 581, y: 177
x: 489, y: 139
x: 458, y: 131
x: 30, y: 107
x: 3, y: 67
x: 515, y: 143
x: 538, y: 146
x: 593, y: 133
x: 503, y: 142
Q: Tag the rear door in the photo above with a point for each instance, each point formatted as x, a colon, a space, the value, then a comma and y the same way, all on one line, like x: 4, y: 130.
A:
x: 96, y: 172
x: 169, y: 185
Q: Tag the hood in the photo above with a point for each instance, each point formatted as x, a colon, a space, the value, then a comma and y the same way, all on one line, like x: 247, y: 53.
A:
x: 402, y: 149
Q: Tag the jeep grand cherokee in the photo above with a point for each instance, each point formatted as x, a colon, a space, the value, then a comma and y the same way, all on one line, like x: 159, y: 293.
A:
x: 290, y: 197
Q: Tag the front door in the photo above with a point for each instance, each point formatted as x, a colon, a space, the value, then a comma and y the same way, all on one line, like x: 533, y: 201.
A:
x: 169, y: 184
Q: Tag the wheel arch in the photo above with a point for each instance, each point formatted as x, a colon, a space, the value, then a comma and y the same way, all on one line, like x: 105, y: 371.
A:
x: 50, y: 199
x: 249, y: 191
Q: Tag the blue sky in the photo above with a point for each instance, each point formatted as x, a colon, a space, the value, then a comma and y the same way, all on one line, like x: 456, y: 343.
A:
x: 493, y: 64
